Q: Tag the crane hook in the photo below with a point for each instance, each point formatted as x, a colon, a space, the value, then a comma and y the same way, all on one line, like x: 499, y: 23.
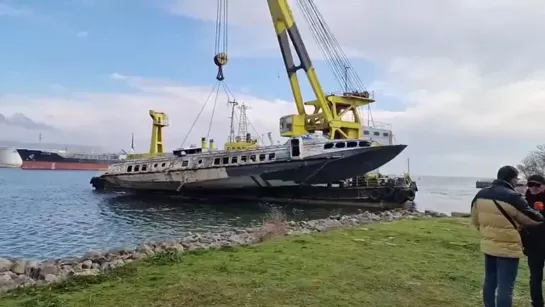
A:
x: 220, y: 60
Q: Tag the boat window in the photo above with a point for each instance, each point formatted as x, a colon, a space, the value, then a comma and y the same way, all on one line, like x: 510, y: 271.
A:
x: 217, y: 161
x: 364, y: 144
x: 137, y: 168
x: 271, y: 156
x: 163, y: 164
x: 262, y: 157
x: 366, y: 132
x: 225, y: 160
x: 252, y: 158
x: 200, y: 161
x: 376, y: 133
x: 129, y: 168
x: 234, y: 160
x: 243, y: 158
x: 144, y: 167
x: 340, y: 144
x: 185, y: 163
x: 352, y: 144
x: 385, y: 134
x: 155, y: 165
x: 328, y: 146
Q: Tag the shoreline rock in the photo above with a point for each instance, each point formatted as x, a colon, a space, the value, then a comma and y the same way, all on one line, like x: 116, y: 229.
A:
x: 16, y: 273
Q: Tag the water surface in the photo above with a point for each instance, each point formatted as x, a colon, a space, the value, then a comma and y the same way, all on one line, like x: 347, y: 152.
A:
x: 50, y: 214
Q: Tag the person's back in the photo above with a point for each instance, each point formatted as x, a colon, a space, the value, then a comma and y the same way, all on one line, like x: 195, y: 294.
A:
x: 498, y: 212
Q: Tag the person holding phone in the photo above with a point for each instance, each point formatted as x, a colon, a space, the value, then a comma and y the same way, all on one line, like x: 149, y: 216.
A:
x: 534, y: 240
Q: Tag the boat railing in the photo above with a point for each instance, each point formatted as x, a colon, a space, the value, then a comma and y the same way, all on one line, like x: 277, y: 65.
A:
x: 89, y: 156
x: 379, y: 125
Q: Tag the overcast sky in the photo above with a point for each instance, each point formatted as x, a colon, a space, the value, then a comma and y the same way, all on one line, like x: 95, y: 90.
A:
x: 461, y: 82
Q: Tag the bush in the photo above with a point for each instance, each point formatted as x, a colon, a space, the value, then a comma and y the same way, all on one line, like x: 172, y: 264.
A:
x: 274, y: 225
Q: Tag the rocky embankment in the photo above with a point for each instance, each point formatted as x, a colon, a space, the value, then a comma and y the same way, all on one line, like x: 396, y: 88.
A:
x: 16, y: 273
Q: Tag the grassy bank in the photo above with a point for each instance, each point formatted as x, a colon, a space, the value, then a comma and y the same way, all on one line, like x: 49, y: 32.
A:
x: 407, y: 263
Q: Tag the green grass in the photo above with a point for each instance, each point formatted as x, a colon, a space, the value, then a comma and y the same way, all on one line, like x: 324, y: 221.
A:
x: 407, y: 263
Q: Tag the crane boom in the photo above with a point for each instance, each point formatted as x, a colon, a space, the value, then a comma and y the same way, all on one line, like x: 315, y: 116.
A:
x: 329, y: 110
x: 286, y: 29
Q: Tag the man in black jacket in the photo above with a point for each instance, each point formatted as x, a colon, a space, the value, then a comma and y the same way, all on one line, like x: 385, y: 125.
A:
x: 534, y: 240
x: 499, y: 212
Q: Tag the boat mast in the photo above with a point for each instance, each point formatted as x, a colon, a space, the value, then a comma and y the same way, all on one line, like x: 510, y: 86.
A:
x: 243, y: 121
x: 232, y: 118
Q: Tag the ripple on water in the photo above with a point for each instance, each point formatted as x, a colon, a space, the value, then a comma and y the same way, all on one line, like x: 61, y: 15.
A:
x: 51, y: 214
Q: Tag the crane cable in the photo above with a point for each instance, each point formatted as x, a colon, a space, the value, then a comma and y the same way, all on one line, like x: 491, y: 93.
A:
x: 220, y: 59
x: 337, y: 60
x: 220, y: 49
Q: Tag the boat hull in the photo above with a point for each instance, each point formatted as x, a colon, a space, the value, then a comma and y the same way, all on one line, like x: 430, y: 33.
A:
x: 73, y: 166
x: 321, y: 169
x: 46, y: 160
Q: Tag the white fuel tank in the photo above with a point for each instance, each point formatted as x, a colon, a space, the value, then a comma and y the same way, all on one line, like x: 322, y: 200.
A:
x: 9, y: 158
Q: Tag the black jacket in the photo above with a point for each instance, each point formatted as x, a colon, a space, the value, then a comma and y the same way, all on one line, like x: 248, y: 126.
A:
x: 534, y: 238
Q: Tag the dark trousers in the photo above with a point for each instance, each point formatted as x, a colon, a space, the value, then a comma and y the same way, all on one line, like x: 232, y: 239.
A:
x: 499, y: 281
x: 536, y: 261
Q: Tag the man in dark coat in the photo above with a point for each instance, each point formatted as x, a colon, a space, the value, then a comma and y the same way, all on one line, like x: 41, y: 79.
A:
x: 499, y: 212
x: 534, y: 239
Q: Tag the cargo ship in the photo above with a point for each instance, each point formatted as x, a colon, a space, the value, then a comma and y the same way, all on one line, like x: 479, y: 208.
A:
x: 61, y: 160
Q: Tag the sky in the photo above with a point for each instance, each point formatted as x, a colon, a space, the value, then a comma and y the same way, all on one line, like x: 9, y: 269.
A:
x: 461, y: 82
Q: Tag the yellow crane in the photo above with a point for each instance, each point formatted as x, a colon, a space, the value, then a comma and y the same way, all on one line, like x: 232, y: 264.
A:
x: 159, y: 121
x: 336, y: 116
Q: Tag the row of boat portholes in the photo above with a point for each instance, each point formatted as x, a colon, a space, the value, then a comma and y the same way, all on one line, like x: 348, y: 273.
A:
x: 217, y: 161
x: 143, y: 167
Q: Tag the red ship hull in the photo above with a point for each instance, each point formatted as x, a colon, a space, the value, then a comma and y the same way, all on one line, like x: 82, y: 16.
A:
x: 41, y: 165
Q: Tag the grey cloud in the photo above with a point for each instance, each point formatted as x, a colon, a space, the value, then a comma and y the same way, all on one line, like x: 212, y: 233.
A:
x: 21, y: 120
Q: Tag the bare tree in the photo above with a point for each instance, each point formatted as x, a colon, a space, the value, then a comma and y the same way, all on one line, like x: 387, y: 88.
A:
x: 534, y: 162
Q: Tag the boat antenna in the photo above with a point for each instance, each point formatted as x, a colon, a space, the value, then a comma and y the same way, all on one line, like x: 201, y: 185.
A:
x: 132, y: 142
x: 346, y: 68
x: 220, y: 59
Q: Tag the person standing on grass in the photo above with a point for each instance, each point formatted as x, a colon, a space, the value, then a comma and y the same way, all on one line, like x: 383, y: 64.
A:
x: 534, y: 239
x: 499, y: 212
